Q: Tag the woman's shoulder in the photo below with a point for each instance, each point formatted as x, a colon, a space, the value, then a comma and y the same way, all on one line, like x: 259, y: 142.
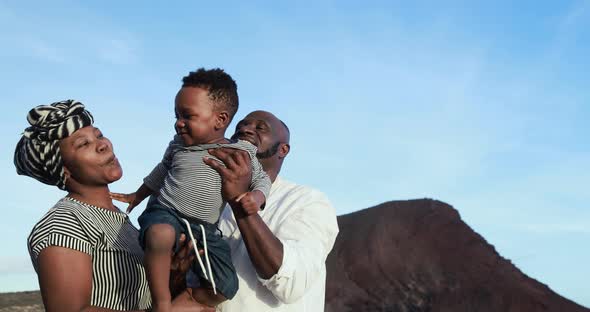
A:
x: 63, y: 208
x: 63, y: 215
x: 64, y: 225
x: 65, y: 211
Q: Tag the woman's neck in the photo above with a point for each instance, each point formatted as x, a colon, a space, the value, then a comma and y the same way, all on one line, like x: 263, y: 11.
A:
x: 95, y: 196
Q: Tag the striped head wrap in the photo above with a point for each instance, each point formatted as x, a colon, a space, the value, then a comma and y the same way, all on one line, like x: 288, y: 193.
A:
x: 37, y: 154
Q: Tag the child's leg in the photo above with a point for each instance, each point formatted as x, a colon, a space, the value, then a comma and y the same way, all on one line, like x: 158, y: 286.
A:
x: 206, y: 296
x: 219, y: 257
x: 159, y: 241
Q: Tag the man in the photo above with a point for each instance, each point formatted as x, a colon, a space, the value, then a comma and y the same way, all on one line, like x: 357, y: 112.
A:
x: 279, y: 253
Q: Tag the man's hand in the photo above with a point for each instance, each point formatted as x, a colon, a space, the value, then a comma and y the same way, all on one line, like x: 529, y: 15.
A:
x: 236, y: 175
x: 131, y: 199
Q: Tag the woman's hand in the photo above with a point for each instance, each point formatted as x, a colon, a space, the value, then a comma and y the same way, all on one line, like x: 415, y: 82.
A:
x: 185, y: 302
x: 181, y: 263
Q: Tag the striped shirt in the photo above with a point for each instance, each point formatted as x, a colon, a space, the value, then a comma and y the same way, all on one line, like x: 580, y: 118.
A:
x: 192, y: 188
x: 118, y: 277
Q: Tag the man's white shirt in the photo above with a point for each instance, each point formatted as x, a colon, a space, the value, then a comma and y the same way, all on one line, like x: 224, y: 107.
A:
x: 305, y: 222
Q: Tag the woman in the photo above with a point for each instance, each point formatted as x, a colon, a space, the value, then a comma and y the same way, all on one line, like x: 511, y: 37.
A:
x: 84, y: 249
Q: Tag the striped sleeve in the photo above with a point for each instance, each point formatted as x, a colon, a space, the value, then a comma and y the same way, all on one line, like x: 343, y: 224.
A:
x: 260, y: 180
x: 61, y: 228
x: 155, y: 179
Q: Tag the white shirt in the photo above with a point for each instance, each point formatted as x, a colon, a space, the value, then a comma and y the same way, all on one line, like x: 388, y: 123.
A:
x: 305, y: 222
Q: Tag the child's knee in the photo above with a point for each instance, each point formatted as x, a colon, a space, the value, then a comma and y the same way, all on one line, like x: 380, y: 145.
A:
x: 159, y: 237
x: 206, y: 296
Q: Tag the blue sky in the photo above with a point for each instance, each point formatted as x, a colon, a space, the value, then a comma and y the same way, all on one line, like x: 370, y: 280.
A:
x: 480, y: 105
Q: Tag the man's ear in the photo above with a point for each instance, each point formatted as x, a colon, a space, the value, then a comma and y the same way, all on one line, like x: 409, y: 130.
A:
x: 222, y: 120
x: 284, y: 149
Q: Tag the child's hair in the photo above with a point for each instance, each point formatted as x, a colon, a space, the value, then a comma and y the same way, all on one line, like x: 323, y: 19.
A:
x: 222, y: 89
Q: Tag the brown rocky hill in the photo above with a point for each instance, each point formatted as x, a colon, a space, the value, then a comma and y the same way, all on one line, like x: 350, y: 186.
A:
x: 418, y: 255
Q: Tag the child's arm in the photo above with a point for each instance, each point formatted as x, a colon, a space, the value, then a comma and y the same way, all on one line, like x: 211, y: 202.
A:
x: 255, y: 199
x: 152, y: 183
x: 251, y: 201
x: 135, y: 198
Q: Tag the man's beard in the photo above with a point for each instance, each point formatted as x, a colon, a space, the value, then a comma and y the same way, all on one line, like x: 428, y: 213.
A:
x: 269, y: 152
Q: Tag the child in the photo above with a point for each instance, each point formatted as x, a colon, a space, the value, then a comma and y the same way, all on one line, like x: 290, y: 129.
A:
x: 189, y: 191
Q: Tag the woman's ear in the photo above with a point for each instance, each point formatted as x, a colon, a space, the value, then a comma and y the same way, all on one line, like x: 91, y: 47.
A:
x: 66, y: 175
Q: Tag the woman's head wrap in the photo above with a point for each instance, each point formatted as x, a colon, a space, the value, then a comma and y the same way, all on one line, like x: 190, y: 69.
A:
x: 37, y: 154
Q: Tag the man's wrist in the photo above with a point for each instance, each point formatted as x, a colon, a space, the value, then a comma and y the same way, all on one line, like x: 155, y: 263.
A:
x: 240, y: 213
x: 237, y: 209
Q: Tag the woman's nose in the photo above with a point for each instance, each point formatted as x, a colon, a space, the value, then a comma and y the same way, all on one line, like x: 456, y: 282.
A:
x: 102, y: 146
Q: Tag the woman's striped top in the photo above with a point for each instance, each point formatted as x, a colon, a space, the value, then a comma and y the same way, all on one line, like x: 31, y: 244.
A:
x: 189, y: 186
x: 118, y: 277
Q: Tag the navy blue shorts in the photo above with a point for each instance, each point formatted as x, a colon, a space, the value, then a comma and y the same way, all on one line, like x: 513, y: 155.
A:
x: 224, y: 273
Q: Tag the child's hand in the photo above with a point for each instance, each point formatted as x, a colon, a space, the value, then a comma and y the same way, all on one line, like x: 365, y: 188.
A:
x: 251, y: 202
x: 131, y: 199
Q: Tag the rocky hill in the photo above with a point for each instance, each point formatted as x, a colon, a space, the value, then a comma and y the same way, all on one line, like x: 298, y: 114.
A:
x: 419, y: 255
x: 26, y: 301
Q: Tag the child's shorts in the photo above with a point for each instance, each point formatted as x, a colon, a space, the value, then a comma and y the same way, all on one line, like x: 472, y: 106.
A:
x: 224, y: 273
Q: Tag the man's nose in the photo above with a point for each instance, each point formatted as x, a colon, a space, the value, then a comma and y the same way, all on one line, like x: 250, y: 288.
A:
x: 246, y: 129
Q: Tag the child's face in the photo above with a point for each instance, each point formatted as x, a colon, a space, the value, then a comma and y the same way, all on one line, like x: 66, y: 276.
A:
x: 195, y: 119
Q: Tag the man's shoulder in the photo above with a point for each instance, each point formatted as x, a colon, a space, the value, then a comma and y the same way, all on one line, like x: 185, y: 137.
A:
x: 288, y: 184
x: 283, y: 188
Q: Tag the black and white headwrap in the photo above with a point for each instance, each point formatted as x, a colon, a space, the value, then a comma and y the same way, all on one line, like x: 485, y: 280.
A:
x: 37, y: 154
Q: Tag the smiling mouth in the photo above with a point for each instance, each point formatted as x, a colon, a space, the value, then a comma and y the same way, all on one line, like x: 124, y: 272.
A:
x: 247, y: 138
